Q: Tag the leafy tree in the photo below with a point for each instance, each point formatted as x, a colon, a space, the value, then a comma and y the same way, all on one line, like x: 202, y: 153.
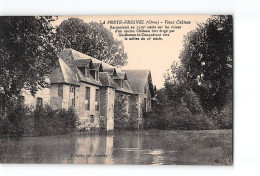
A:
x: 207, y: 58
x: 27, y: 54
x: 92, y: 39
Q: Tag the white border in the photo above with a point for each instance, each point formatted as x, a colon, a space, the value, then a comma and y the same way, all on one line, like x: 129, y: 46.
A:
x: 246, y: 77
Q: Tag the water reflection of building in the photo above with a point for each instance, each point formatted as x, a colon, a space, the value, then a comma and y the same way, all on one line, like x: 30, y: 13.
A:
x: 93, y: 149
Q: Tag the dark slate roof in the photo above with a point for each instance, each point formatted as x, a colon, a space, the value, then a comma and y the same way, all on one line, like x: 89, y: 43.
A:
x: 83, y: 63
x: 106, y: 80
x: 75, y: 59
x: 137, y: 79
x: 63, y: 74
x: 121, y: 75
x: 126, y: 88
x: 98, y: 66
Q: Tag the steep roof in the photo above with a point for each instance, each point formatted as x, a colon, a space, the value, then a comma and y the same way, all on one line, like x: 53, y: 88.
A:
x: 126, y: 88
x: 83, y: 63
x: 106, y: 80
x: 98, y: 66
x: 137, y: 79
x: 122, y: 75
x: 75, y: 59
x: 63, y: 74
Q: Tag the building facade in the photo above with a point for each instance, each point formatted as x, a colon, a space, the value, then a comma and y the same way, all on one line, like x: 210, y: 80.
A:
x: 92, y: 87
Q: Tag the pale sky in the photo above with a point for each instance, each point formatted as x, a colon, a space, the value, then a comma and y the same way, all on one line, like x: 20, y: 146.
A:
x: 155, y: 55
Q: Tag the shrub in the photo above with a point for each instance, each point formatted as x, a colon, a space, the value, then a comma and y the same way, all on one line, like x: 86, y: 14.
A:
x: 177, y: 117
x: 24, y: 121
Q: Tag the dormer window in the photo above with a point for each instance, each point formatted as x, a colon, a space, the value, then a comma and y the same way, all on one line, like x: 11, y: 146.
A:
x: 84, y: 71
x: 94, y: 74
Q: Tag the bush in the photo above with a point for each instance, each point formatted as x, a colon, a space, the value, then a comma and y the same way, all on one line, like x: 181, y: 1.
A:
x: 224, y: 118
x: 23, y: 121
x: 177, y: 117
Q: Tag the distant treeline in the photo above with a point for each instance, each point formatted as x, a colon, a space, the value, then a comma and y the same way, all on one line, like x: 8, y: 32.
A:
x: 198, y: 90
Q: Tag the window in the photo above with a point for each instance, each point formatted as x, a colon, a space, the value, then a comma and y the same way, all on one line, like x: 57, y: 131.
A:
x: 96, y: 73
x: 72, y: 88
x: 92, y: 119
x: 82, y: 70
x: 145, y: 89
x: 145, y: 105
x: 60, y: 90
x: 87, y: 98
x: 21, y: 100
x: 97, y: 100
x: 73, y: 102
x: 87, y: 73
x: 39, y: 102
x: 93, y: 73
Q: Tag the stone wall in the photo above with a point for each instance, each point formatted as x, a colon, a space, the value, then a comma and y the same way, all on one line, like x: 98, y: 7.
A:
x: 107, y: 108
x: 85, y: 115
x: 110, y: 109
x: 30, y: 101
x: 64, y: 101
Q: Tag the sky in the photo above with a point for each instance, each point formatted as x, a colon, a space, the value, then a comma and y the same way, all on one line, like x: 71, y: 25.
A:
x: 155, y: 55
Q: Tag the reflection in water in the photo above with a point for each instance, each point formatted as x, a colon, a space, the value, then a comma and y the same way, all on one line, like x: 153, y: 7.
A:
x: 128, y: 147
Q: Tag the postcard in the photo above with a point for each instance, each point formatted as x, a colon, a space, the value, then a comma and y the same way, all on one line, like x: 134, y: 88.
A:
x: 133, y: 90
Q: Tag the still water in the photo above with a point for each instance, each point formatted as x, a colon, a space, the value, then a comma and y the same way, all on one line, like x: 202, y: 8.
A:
x: 124, y: 147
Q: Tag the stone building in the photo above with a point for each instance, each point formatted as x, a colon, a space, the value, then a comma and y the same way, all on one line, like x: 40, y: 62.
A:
x: 91, y: 87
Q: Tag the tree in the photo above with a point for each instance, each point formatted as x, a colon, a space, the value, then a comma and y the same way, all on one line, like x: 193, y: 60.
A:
x: 207, y: 58
x: 27, y: 54
x: 92, y: 39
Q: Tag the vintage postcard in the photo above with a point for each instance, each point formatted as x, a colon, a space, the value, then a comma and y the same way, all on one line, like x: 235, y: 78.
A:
x: 139, y: 90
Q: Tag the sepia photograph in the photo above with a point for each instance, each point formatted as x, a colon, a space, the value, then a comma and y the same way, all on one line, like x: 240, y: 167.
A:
x: 116, y: 90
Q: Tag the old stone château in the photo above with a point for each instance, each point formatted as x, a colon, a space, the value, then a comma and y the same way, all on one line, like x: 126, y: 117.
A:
x: 92, y: 88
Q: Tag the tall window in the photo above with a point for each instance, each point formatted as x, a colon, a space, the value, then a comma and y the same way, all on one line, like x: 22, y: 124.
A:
x: 145, y: 89
x: 73, y: 102
x: 96, y: 77
x: 97, y: 100
x: 39, y: 102
x: 92, y: 119
x: 87, y: 73
x: 60, y: 90
x: 145, y: 105
x: 72, y: 88
x: 94, y: 74
x: 87, y: 98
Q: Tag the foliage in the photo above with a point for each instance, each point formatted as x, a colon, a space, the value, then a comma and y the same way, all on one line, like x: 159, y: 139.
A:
x: 207, y: 58
x: 92, y: 39
x: 120, y: 113
x: 27, y: 53
x: 122, y: 119
x: 24, y: 121
x: 197, y: 92
x: 177, y: 116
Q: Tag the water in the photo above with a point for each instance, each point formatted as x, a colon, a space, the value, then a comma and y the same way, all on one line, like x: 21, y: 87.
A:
x: 124, y: 147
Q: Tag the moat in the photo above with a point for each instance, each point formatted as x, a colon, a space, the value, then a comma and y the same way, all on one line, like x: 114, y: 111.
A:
x: 154, y: 147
